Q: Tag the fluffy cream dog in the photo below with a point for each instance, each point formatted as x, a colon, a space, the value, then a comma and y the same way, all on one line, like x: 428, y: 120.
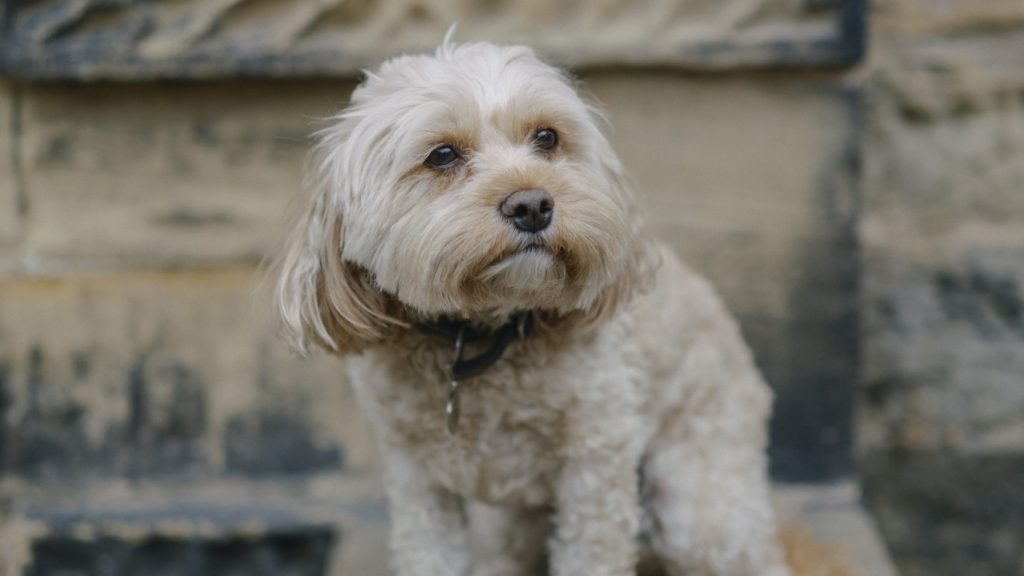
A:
x: 470, y: 196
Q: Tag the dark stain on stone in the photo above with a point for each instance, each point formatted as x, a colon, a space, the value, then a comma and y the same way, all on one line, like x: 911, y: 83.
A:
x: 161, y: 434
x: 987, y: 301
x: 34, y: 378
x: 299, y: 551
x: 6, y: 401
x: 1003, y: 296
x: 963, y: 107
x: 191, y: 217
x: 946, y: 514
x: 250, y: 138
x: 188, y: 410
x: 58, y: 150
x: 879, y: 392
x: 418, y: 13
x: 137, y: 405
x: 80, y: 365
x: 49, y: 441
x: 160, y: 437
x: 276, y: 437
x: 204, y: 133
x: 915, y: 114
x: 888, y: 314
x: 811, y: 356
x: 271, y: 443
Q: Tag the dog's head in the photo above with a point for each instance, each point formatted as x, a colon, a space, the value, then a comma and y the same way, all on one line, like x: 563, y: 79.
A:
x: 473, y: 183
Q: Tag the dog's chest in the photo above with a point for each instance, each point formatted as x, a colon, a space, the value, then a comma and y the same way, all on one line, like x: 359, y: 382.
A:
x: 505, y: 449
x: 499, y: 454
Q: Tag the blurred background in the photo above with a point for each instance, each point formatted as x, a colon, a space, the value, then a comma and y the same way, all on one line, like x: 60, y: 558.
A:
x: 856, y: 193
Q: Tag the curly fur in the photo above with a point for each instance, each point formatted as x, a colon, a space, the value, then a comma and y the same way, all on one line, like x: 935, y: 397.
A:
x: 633, y: 408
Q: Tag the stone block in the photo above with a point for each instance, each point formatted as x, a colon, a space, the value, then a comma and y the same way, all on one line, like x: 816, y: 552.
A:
x: 163, y: 375
x: 169, y: 175
x: 738, y: 197
x: 320, y: 525
x: 910, y: 19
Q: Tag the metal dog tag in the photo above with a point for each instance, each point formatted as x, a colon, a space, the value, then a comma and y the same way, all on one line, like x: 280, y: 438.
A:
x: 452, y: 409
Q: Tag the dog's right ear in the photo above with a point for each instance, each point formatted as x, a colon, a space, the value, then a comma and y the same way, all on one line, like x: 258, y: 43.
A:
x: 320, y: 298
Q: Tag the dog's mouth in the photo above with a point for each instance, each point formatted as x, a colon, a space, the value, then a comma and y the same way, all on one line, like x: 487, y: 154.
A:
x: 529, y: 258
x: 536, y: 247
x: 530, y: 250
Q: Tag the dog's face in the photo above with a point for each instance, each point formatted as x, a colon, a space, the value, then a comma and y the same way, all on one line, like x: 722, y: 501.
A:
x: 472, y: 183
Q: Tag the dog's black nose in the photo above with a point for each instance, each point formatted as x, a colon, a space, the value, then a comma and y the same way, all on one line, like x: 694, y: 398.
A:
x: 529, y: 210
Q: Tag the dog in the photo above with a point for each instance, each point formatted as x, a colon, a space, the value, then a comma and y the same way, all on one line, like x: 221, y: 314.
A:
x: 551, y: 389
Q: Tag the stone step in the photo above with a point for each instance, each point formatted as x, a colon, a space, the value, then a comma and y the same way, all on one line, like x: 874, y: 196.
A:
x: 332, y: 525
x: 328, y: 525
x: 834, y: 516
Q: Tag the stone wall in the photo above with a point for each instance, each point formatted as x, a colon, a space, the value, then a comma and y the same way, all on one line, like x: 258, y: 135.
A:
x: 138, y: 365
x: 866, y: 226
x: 942, y: 234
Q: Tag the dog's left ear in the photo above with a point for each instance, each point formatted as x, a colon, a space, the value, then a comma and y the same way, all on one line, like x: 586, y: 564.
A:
x: 320, y: 298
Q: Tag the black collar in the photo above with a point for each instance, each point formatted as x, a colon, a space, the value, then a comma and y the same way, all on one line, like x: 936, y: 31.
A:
x: 518, y: 327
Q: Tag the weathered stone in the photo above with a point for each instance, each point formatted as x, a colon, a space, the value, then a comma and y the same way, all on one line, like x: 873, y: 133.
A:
x: 932, y: 79
x: 10, y: 209
x: 943, y: 513
x: 909, y: 19
x: 161, y: 38
x: 331, y: 525
x: 942, y: 235
x: 162, y: 374
x: 939, y: 58
x: 298, y: 553
x: 130, y: 177
x: 943, y: 240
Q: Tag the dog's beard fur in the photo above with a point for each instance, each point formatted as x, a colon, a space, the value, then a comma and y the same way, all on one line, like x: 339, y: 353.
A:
x: 387, y: 240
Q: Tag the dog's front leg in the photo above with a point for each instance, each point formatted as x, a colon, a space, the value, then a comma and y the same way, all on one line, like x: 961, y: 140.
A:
x: 428, y: 525
x: 598, y: 502
x: 509, y: 541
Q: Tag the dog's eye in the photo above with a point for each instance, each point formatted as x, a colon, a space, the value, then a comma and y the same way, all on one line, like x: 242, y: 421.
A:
x: 546, y: 139
x: 443, y: 157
